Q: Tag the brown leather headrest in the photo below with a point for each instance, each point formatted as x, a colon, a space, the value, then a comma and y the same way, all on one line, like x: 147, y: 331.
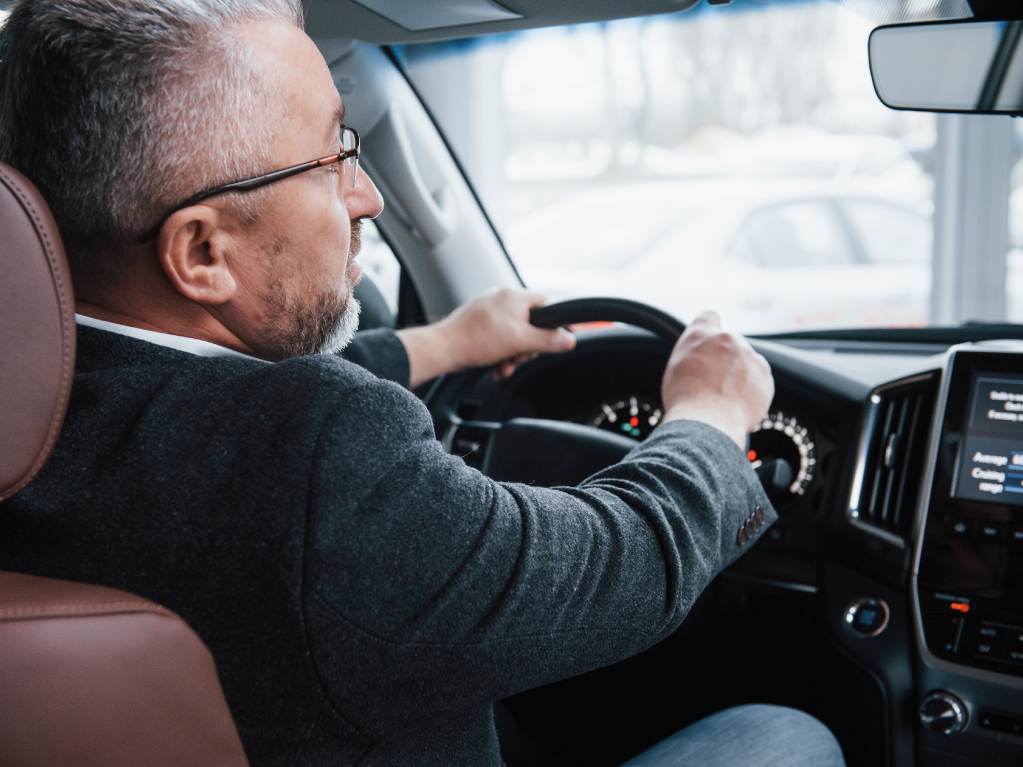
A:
x: 37, y: 332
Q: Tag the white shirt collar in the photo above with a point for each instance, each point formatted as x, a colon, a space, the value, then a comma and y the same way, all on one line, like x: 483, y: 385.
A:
x: 181, y: 343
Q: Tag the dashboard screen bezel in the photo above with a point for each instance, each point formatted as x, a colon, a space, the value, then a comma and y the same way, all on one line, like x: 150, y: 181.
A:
x: 955, y: 404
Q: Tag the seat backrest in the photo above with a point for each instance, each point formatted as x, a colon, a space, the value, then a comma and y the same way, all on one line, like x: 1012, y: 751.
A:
x: 88, y: 675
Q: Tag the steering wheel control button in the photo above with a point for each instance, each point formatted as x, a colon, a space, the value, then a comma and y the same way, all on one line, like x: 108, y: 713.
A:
x: 943, y: 713
x: 867, y: 617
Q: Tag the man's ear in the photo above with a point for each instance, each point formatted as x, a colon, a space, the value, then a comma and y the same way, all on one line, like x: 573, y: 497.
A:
x: 192, y: 249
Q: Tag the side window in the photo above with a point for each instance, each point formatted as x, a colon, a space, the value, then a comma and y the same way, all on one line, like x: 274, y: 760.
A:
x: 890, y: 234
x: 796, y: 235
x: 744, y: 248
x: 377, y: 291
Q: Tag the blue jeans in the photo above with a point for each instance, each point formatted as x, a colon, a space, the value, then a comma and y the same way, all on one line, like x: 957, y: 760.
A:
x: 747, y: 736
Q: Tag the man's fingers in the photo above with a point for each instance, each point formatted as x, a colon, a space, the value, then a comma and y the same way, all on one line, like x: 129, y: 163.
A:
x: 541, y: 340
x: 707, y: 318
x: 557, y: 340
x: 535, y: 300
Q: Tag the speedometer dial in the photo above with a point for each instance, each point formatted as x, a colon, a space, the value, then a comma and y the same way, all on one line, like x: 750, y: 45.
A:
x: 781, y: 436
x: 632, y: 416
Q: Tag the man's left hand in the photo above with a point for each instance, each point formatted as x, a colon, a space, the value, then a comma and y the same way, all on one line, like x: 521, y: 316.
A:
x: 490, y: 331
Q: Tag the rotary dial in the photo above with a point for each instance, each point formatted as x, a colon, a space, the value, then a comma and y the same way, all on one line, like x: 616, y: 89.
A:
x: 632, y: 416
x: 781, y: 436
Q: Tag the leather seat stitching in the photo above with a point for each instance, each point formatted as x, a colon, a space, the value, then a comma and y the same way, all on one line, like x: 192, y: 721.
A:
x: 79, y: 609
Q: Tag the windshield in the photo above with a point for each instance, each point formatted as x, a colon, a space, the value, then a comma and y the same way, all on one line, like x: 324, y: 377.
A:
x: 730, y: 157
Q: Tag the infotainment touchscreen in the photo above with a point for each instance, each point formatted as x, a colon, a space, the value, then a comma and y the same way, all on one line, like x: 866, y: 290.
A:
x: 970, y: 582
x: 991, y: 462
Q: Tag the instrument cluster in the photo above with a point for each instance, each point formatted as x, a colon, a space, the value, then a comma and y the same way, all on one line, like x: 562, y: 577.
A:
x: 780, y: 436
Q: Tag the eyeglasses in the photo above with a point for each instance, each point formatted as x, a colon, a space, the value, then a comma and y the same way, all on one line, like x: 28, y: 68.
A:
x: 348, y: 157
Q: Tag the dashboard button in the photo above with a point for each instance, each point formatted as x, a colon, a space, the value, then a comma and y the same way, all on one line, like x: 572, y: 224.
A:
x: 1015, y: 536
x: 1007, y: 724
x: 960, y: 529
x: 991, y: 532
x: 1016, y: 656
x: 867, y: 617
x: 988, y: 641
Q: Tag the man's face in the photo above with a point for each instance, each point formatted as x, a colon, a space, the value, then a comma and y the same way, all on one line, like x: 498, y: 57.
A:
x: 297, y: 267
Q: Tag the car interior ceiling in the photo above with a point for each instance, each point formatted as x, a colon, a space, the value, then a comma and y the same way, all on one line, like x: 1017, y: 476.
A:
x: 867, y: 605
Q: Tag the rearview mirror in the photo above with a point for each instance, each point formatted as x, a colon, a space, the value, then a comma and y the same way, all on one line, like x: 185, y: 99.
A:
x: 959, y: 66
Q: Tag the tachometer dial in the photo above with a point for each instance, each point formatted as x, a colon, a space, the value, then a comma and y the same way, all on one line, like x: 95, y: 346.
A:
x: 632, y: 416
x: 781, y: 436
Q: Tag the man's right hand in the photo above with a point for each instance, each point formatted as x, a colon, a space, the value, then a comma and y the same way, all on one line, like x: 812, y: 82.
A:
x: 717, y: 378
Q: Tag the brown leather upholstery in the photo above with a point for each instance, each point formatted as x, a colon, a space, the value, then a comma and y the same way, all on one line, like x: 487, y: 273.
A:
x: 93, y: 676
x: 37, y: 331
x: 88, y: 675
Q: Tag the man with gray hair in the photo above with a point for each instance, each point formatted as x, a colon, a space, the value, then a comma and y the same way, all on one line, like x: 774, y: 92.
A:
x: 366, y: 596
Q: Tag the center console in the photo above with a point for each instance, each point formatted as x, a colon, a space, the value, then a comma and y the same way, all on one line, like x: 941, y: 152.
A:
x: 968, y: 582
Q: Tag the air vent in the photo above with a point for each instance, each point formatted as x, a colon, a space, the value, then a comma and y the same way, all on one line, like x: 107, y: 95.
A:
x: 891, y: 456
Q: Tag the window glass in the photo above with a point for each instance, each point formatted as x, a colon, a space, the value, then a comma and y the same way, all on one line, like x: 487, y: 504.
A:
x: 380, y: 264
x: 1014, y: 259
x: 889, y: 233
x: 696, y: 150
x: 806, y: 234
x: 594, y: 231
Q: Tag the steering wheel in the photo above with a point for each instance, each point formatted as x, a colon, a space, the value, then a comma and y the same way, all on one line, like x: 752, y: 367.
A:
x: 536, y: 450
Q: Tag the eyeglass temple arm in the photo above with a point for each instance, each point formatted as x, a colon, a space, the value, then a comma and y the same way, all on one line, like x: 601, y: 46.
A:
x: 249, y: 184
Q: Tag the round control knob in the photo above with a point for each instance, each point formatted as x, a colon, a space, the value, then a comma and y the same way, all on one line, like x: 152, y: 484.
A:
x: 943, y: 713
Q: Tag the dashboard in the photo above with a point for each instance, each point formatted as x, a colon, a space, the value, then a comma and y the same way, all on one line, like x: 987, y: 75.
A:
x: 900, y: 526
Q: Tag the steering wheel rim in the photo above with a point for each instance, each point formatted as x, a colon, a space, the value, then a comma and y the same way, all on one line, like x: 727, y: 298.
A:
x: 443, y: 397
x: 578, y: 310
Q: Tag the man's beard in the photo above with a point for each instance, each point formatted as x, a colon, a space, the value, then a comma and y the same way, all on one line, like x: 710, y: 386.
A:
x: 295, y: 329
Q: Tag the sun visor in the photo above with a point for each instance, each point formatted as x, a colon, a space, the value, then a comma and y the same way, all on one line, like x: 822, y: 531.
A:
x: 413, y: 21
x: 432, y: 14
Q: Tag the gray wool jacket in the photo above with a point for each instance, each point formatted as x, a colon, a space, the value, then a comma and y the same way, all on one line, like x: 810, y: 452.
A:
x: 365, y: 595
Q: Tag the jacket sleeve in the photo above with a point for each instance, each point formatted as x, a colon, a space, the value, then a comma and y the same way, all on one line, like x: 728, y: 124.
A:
x: 430, y: 587
x: 382, y: 353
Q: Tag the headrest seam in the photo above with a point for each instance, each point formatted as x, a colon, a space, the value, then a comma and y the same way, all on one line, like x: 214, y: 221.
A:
x: 81, y: 609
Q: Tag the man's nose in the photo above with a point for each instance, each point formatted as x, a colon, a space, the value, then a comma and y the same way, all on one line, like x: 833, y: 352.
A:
x: 363, y: 200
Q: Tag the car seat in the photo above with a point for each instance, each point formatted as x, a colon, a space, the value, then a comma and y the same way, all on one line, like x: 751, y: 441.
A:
x: 88, y: 675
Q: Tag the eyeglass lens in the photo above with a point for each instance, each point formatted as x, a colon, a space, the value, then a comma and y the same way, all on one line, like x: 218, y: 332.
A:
x: 349, y: 164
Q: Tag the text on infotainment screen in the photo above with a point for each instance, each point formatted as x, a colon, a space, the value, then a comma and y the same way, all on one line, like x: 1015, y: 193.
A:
x: 991, y: 467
